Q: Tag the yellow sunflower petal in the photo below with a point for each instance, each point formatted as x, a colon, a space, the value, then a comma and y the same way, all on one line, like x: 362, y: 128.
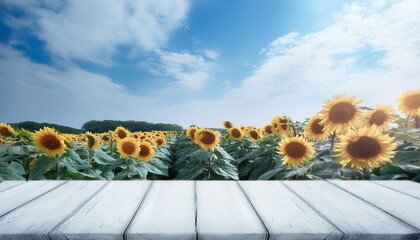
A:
x: 47, y: 140
x: 365, y: 147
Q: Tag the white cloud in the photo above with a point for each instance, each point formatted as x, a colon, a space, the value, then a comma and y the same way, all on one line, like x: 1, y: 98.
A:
x: 32, y: 91
x: 301, y: 71
x: 93, y: 30
x: 191, y: 71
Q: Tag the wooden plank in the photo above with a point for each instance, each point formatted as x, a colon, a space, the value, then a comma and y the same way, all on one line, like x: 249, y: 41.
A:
x: 168, y: 212
x: 398, y: 205
x: 21, y: 194
x: 285, y: 215
x: 107, y: 214
x: 354, y: 217
x: 37, y: 218
x: 9, y: 184
x: 407, y: 187
x: 223, y: 210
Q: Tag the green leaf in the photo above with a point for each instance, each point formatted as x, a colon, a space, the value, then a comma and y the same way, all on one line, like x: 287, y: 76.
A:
x: 225, y: 169
x: 42, y: 165
x: 19, y: 150
x: 399, y: 176
x: 271, y: 173
x: 190, y: 172
x: 11, y: 172
x: 406, y: 156
x: 103, y: 158
x: 3, y: 149
x: 390, y: 169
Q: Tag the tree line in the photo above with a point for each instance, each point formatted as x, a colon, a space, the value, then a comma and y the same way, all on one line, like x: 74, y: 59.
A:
x: 100, y: 126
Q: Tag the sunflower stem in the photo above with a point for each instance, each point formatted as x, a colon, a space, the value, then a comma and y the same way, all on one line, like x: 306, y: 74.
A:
x: 366, y: 173
x: 417, y: 122
x: 293, y: 128
x: 332, y: 140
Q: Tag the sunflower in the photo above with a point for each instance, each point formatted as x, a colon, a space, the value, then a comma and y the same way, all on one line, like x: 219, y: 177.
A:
x: 92, y: 141
x: 227, y: 124
x: 365, y: 147
x: 341, y: 113
x: 280, y: 126
x: 380, y: 117
x: 409, y: 103
x: 105, y: 138
x: 146, y: 152
x: 191, y: 132
x: 128, y: 147
x: 6, y: 130
x: 314, y: 129
x: 160, y: 141
x: 47, y: 140
x: 253, y: 134
x: 296, y: 150
x: 268, y: 129
x: 236, y: 133
x: 207, y: 139
x: 121, y: 132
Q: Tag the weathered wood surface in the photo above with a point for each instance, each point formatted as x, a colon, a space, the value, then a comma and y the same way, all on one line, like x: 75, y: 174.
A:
x: 168, y: 212
x: 209, y: 210
x: 285, y: 215
x: 9, y: 184
x: 353, y: 216
x: 386, y: 199
x: 223, y: 210
x: 37, y: 218
x: 406, y: 187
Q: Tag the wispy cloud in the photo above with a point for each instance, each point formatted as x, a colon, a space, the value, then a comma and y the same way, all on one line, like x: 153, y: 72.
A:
x: 93, y: 30
x: 303, y: 70
x: 191, y: 71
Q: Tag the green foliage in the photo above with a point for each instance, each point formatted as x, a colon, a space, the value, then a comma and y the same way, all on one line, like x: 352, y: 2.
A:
x: 182, y: 159
x: 134, y: 126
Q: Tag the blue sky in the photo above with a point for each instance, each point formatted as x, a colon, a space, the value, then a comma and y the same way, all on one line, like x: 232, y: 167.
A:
x: 201, y: 62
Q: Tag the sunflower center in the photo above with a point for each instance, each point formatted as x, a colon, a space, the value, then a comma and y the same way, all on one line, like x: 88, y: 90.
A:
x: 144, y: 150
x: 283, y: 124
x: 378, y: 118
x: 342, y: 112
x: 295, y: 150
x: 275, y: 125
x: 236, y: 133
x: 208, y: 138
x: 51, y: 142
x: 5, y: 132
x: 254, y: 134
x: 268, y: 129
x: 192, y: 132
x: 228, y: 124
x: 121, y: 134
x: 364, y: 147
x: 128, y: 148
x: 412, y: 101
x: 159, y: 141
x: 317, y: 127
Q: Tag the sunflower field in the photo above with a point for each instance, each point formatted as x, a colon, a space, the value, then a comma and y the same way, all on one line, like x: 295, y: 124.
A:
x: 342, y: 141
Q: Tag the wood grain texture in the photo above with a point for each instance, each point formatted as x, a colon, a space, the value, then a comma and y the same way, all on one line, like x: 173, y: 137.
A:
x: 168, y: 212
x: 21, y: 194
x: 284, y: 214
x: 37, y: 218
x: 107, y: 214
x: 407, y: 187
x: 386, y: 199
x: 9, y: 184
x: 223, y: 210
x: 354, y: 217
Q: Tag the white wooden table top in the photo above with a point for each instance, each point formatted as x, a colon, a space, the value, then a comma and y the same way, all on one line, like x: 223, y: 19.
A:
x: 209, y: 210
